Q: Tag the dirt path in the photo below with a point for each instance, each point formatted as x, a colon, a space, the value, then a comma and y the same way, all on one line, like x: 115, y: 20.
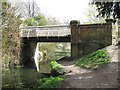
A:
x: 104, y: 77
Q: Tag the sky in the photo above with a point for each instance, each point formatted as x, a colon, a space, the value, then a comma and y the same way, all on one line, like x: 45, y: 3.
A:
x: 63, y: 9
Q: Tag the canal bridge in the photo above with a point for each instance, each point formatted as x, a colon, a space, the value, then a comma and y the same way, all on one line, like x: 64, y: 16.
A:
x: 47, y: 33
x: 84, y: 38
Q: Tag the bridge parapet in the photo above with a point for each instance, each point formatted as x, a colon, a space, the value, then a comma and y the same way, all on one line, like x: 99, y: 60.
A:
x: 45, y: 31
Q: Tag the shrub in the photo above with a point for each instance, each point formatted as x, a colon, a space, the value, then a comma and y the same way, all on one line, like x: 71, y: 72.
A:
x: 54, y: 65
x: 56, y: 70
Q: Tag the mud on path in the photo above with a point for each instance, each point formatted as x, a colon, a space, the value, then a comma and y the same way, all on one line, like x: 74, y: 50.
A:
x: 104, y: 77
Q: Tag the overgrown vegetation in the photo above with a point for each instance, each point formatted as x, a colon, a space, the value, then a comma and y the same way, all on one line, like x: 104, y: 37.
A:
x: 10, y: 34
x: 54, y: 80
x: 51, y: 82
x: 54, y: 65
x: 56, y: 70
x: 94, y: 60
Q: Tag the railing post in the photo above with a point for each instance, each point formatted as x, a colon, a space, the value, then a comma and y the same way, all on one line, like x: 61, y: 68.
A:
x: 74, y: 39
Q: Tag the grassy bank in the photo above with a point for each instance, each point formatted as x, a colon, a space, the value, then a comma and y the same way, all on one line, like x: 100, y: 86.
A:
x: 94, y: 60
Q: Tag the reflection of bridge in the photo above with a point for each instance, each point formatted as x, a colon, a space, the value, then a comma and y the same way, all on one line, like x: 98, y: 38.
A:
x: 84, y: 38
x: 47, y: 33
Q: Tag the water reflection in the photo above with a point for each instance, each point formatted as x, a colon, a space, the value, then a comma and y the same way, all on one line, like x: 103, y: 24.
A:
x: 45, y: 67
x: 23, y: 78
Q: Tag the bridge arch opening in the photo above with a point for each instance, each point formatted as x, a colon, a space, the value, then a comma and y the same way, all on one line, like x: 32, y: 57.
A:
x: 48, y: 51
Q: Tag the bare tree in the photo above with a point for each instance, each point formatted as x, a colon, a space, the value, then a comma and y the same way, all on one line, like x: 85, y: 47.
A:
x: 27, y: 8
x: 30, y: 7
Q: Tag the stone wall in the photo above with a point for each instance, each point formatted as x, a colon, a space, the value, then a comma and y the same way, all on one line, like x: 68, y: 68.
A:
x: 90, y: 37
x: 27, y: 53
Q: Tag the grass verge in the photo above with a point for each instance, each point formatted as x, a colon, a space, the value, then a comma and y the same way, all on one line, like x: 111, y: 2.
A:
x: 94, y: 60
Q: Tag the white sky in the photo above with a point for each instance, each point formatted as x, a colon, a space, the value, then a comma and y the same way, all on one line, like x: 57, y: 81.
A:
x: 64, y: 9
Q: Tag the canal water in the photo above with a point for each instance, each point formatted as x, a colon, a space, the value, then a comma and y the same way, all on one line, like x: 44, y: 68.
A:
x: 26, y: 78
x: 23, y: 78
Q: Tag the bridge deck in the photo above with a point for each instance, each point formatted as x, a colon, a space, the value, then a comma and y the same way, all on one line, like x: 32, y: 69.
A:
x: 45, y: 31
